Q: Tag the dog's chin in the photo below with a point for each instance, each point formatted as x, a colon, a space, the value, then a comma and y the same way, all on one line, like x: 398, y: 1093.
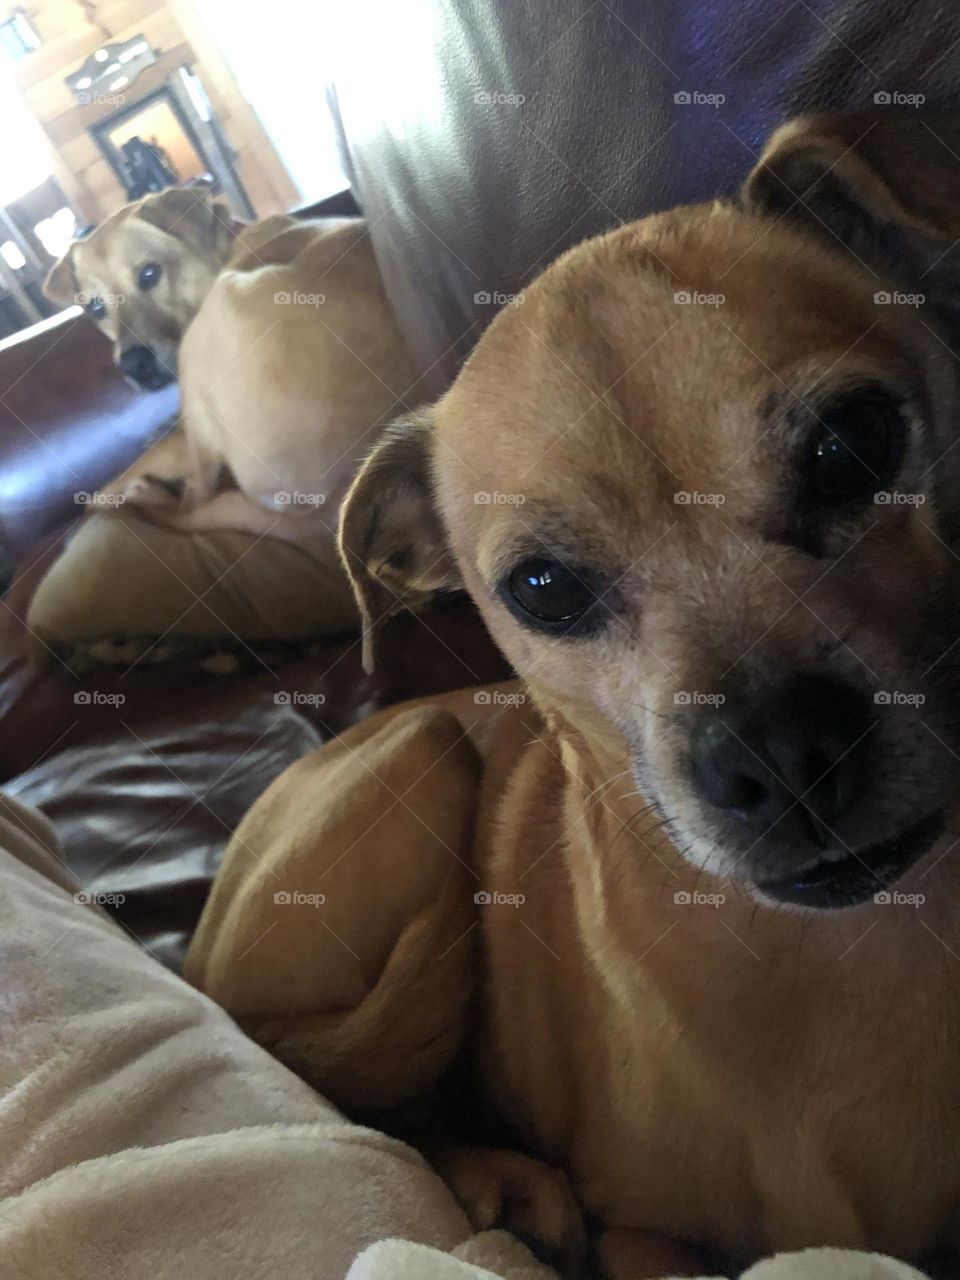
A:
x: 835, y: 883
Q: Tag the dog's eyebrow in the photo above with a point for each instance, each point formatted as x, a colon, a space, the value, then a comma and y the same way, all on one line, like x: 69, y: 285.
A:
x: 541, y: 530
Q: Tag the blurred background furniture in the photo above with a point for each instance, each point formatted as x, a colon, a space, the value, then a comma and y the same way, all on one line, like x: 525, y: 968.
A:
x: 482, y: 138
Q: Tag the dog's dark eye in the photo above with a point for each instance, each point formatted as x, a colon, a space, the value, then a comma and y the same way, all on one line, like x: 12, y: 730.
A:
x: 96, y: 308
x: 857, y: 449
x: 150, y: 273
x: 555, y: 596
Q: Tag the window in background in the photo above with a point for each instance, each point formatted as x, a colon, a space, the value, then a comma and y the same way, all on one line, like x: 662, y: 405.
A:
x: 17, y: 38
x: 24, y: 152
x: 275, y: 54
x: 56, y: 232
x: 10, y: 252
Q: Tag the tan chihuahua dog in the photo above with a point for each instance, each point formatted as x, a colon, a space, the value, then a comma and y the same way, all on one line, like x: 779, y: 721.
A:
x: 289, y: 358
x: 688, y: 893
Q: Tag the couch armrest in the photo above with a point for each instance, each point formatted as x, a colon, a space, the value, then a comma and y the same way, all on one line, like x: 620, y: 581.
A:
x: 69, y: 422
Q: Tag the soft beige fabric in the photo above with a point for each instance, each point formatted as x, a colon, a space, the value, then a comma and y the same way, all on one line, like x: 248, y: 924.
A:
x: 401, y: 1260
x: 142, y: 1135
x: 121, y: 577
x: 831, y: 1264
x: 492, y: 1255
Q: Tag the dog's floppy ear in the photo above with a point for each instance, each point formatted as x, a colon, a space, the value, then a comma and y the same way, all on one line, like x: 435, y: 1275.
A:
x: 886, y: 188
x: 61, y: 285
x: 392, y: 542
x: 190, y: 214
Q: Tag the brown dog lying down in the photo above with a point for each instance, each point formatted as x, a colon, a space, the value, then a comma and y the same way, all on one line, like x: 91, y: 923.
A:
x: 687, y: 892
x: 288, y: 354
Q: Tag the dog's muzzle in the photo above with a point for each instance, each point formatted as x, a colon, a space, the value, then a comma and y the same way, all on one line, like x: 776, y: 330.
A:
x: 144, y: 368
x: 789, y: 769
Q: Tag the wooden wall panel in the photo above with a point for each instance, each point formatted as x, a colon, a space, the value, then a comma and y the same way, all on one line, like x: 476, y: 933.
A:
x: 70, y: 30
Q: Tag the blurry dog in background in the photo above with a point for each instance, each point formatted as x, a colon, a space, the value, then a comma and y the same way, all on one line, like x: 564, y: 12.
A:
x: 284, y: 342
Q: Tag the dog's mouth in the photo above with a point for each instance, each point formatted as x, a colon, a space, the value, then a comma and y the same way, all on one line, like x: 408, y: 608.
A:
x: 849, y: 881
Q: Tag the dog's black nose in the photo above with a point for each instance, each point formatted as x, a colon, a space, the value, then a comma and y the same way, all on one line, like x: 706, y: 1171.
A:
x: 791, y: 763
x: 142, y: 367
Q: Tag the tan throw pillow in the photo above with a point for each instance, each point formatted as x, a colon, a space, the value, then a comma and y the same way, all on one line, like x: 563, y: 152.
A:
x: 126, y: 590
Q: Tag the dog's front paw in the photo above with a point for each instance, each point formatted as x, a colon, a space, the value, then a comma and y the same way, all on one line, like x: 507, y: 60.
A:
x: 531, y: 1200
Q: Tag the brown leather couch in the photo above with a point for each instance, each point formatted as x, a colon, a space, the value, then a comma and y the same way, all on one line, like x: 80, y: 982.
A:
x: 483, y: 137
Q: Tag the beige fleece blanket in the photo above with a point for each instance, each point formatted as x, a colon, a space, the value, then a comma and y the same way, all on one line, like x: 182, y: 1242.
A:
x: 143, y: 1135
x: 401, y: 1260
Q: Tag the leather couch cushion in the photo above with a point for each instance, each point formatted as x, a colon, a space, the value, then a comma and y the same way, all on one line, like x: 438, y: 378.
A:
x: 486, y: 137
x: 68, y: 422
